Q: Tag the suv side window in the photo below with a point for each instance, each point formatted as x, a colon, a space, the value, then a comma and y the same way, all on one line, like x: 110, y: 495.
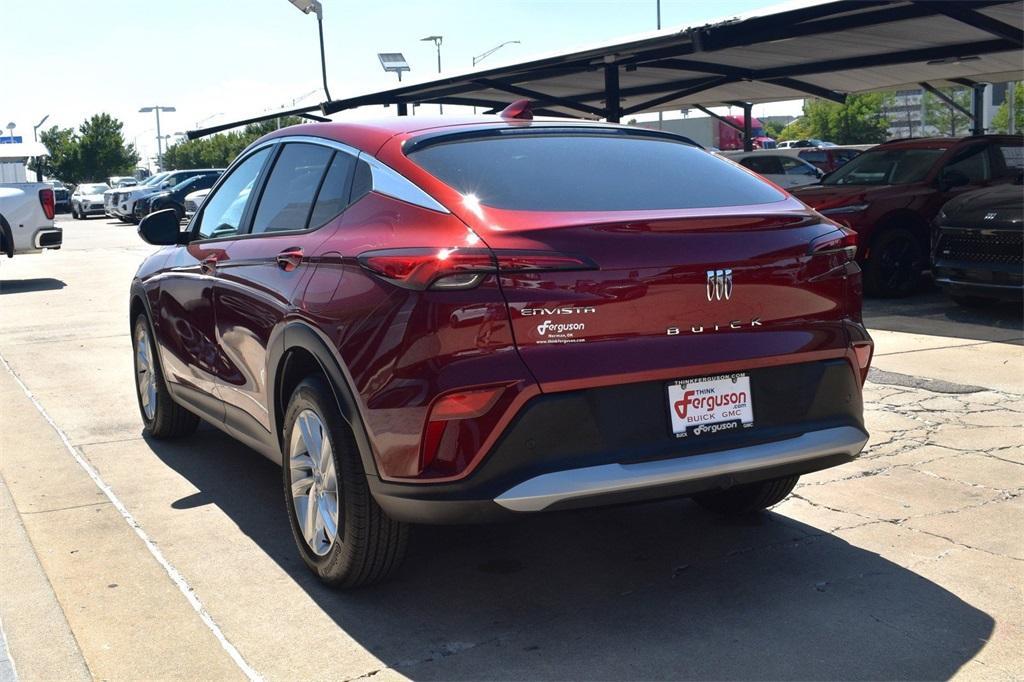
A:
x: 224, y: 208
x: 336, y: 191
x: 814, y: 156
x: 291, y: 188
x: 793, y: 167
x: 765, y: 165
x: 1013, y: 158
x: 974, y: 163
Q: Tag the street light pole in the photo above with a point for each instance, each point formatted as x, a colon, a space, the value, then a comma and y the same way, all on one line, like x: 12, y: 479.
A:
x: 479, y: 58
x: 314, y: 7
x: 159, y: 140
x: 37, y: 127
x: 39, y: 171
x: 437, y: 40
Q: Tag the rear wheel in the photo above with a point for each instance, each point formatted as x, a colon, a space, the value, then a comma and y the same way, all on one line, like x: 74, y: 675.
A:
x: 161, y: 416
x: 342, y: 534
x: 895, y: 264
x: 747, y: 498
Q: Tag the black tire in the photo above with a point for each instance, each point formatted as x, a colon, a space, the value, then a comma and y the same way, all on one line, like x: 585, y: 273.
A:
x: 168, y: 419
x: 971, y: 301
x: 369, y: 546
x: 895, y: 264
x: 74, y: 213
x: 747, y: 498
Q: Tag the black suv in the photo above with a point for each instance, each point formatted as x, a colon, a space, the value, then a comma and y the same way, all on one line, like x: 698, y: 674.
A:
x: 174, y: 197
x: 978, y: 245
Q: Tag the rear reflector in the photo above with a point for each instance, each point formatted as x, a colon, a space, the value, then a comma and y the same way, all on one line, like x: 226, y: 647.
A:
x: 47, y: 202
x: 458, y: 268
x: 450, y: 408
x: 863, y: 350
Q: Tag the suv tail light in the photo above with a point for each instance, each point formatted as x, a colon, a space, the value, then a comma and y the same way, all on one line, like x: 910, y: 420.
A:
x: 458, y: 268
x: 47, y: 202
x: 833, y: 255
x: 841, y: 242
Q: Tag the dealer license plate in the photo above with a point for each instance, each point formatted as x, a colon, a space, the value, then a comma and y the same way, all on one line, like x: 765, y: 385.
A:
x: 710, y: 405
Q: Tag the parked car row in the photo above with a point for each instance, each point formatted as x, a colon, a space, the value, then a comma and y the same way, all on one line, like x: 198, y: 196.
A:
x: 126, y: 203
x: 891, y: 195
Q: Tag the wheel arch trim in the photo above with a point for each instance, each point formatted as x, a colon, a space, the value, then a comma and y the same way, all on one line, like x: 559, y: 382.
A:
x: 299, y: 335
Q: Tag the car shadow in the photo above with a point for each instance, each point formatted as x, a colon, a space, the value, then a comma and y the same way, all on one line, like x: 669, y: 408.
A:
x: 652, y: 591
x: 21, y: 286
x: 933, y: 313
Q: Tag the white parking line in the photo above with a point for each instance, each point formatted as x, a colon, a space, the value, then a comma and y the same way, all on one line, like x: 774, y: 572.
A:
x: 176, y: 577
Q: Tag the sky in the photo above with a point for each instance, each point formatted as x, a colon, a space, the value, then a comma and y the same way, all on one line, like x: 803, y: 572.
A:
x: 221, y: 60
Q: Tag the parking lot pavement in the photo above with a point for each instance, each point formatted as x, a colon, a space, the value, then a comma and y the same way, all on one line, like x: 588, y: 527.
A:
x: 171, y: 559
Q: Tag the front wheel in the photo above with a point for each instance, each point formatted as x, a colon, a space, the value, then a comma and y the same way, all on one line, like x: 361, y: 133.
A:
x: 161, y: 416
x: 894, y: 265
x: 747, y: 498
x: 342, y: 534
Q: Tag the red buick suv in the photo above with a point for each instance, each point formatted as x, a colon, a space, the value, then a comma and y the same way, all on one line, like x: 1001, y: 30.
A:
x: 437, y: 321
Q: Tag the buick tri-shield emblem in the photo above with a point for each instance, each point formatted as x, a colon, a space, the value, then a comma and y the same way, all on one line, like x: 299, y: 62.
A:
x: 719, y: 286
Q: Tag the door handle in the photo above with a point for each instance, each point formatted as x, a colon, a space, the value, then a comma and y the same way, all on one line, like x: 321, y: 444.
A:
x: 289, y: 259
x: 208, y: 265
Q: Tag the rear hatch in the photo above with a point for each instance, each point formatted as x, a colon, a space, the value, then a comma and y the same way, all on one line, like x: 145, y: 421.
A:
x: 645, y: 257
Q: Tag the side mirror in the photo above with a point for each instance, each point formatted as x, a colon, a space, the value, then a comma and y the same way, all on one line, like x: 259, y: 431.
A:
x: 162, y: 228
x: 952, y: 178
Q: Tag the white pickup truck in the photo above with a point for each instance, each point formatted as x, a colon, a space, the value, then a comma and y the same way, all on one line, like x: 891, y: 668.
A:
x: 26, y: 208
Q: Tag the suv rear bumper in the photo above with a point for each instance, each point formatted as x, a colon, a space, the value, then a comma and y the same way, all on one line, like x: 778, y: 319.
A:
x: 614, y: 445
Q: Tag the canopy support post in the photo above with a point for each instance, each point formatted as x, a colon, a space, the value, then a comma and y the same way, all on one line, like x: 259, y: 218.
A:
x: 403, y: 108
x: 612, y: 101
x: 748, y: 140
x: 978, y: 109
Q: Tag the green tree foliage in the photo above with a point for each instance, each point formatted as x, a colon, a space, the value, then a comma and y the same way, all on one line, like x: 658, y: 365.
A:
x: 859, y: 121
x: 96, y: 151
x: 62, y: 163
x: 945, y: 119
x: 771, y: 129
x: 1001, y: 119
x: 217, y: 151
x: 102, y: 151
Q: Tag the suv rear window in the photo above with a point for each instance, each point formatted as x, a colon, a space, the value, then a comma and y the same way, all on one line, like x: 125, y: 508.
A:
x: 571, y: 171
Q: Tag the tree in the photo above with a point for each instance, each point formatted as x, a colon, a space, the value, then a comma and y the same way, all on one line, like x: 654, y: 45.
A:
x: 1001, y: 119
x: 102, y: 151
x: 945, y: 118
x: 858, y: 121
x: 62, y: 163
x: 217, y: 151
x: 95, y: 152
x: 771, y: 129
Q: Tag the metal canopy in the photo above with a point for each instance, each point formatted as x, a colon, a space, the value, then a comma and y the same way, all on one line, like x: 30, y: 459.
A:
x: 819, y: 49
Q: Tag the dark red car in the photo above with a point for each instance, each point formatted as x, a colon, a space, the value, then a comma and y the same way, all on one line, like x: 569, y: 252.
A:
x: 891, y: 193
x: 463, y: 321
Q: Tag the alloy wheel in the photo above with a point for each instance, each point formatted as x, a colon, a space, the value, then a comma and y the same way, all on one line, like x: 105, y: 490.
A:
x: 314, y: 482
x: 899, y: 263
x: 145, y: 371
